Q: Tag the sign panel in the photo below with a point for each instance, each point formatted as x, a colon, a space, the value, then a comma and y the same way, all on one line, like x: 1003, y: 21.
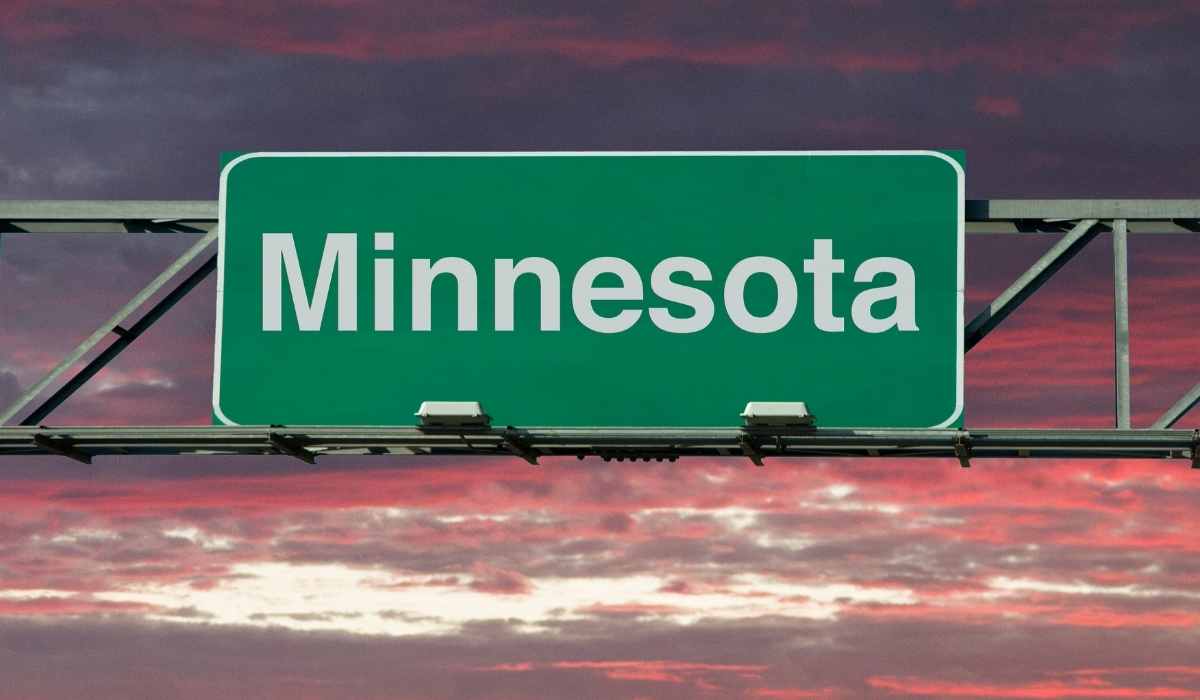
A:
x: 590, y: 289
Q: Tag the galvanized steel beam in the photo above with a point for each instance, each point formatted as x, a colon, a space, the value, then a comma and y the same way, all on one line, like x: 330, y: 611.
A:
x: 1029, y: 282
x: 115, y: 325
x: 983, y: 215
x: 1179, y: 409
x: 125, y: 337
x: 628, y: 443
x: 107, y: 210
x: 1060, y: 209
x: 1042, y: 227
x: 1121, y: 322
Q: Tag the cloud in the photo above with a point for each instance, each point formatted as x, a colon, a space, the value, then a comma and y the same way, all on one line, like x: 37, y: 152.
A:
x: 1005, y: 107
x: 488, y: 579
x: 55, y: 606
x: 651, y: 670
x: 1092, y: 548
x: 449, y: 577
x: 1047, y: 689
x: 763, y: 659
x: 848, y: 38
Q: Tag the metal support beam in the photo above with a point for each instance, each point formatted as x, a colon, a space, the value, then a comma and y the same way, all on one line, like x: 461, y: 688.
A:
x: 1029, y: 217
x: 125, y: 338
x: 1179, y: 409
x: 1121, y: 321
x: 86, y: 210
x: 110, y: 326
x: 1061, y: 209
x: 627, y: 444
x: 1029, y: 282
x: 985, y: 216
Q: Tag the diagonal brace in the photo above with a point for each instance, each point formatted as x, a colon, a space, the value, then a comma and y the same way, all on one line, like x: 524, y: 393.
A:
x: 1177, y: 411
x: 114, y: 325
x: 1029, y: 282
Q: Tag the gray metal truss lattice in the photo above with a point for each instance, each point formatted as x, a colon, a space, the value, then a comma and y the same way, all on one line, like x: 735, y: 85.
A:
x: 1078, y: 222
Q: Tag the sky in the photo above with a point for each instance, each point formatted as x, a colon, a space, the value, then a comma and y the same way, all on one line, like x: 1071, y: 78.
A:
x: 440, y: 578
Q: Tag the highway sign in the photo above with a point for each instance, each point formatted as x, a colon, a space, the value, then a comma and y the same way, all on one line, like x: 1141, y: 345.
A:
x: 590, y: 289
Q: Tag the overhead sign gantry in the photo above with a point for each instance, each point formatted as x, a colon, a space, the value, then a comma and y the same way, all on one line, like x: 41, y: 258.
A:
x: 1072, y: 223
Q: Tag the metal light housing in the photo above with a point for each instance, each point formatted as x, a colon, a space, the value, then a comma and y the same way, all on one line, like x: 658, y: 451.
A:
x: 453, y: 414
x: 777, y: 414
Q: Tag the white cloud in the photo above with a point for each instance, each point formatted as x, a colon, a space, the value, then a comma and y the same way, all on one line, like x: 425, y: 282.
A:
x: 370, y: 601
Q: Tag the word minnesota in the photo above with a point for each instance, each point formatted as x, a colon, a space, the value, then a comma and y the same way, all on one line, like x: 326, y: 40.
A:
x: 890, y: 288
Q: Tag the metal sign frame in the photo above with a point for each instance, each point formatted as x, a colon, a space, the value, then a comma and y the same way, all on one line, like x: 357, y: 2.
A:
x: 1076, y: 222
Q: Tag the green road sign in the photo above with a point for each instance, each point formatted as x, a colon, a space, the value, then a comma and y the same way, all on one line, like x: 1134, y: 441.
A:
x: 591, y: 289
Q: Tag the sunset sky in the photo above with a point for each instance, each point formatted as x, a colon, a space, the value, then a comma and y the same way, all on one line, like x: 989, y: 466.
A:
x: 424, y: 578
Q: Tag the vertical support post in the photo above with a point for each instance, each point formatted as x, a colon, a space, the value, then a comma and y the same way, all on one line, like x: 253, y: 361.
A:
x: 1121, y: 320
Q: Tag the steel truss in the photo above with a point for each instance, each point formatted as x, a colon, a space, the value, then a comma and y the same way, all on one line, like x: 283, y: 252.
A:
x: 1077, y: 222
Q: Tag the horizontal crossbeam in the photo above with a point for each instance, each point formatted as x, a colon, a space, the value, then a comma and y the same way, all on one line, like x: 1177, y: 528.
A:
x: 1064, y: 209
x: 984, y: 216
x: 108, y: 210
x: 631, y: 443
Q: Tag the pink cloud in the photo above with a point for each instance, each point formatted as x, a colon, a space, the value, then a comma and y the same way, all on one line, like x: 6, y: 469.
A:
x: 630, y: 610
x: 68, y: 606
x: 659, y: 671
x: 1047, y: 689
x: 1066, y: 36
x: 795, y: 693
x: 489, y: 579
x: 699, y: 675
